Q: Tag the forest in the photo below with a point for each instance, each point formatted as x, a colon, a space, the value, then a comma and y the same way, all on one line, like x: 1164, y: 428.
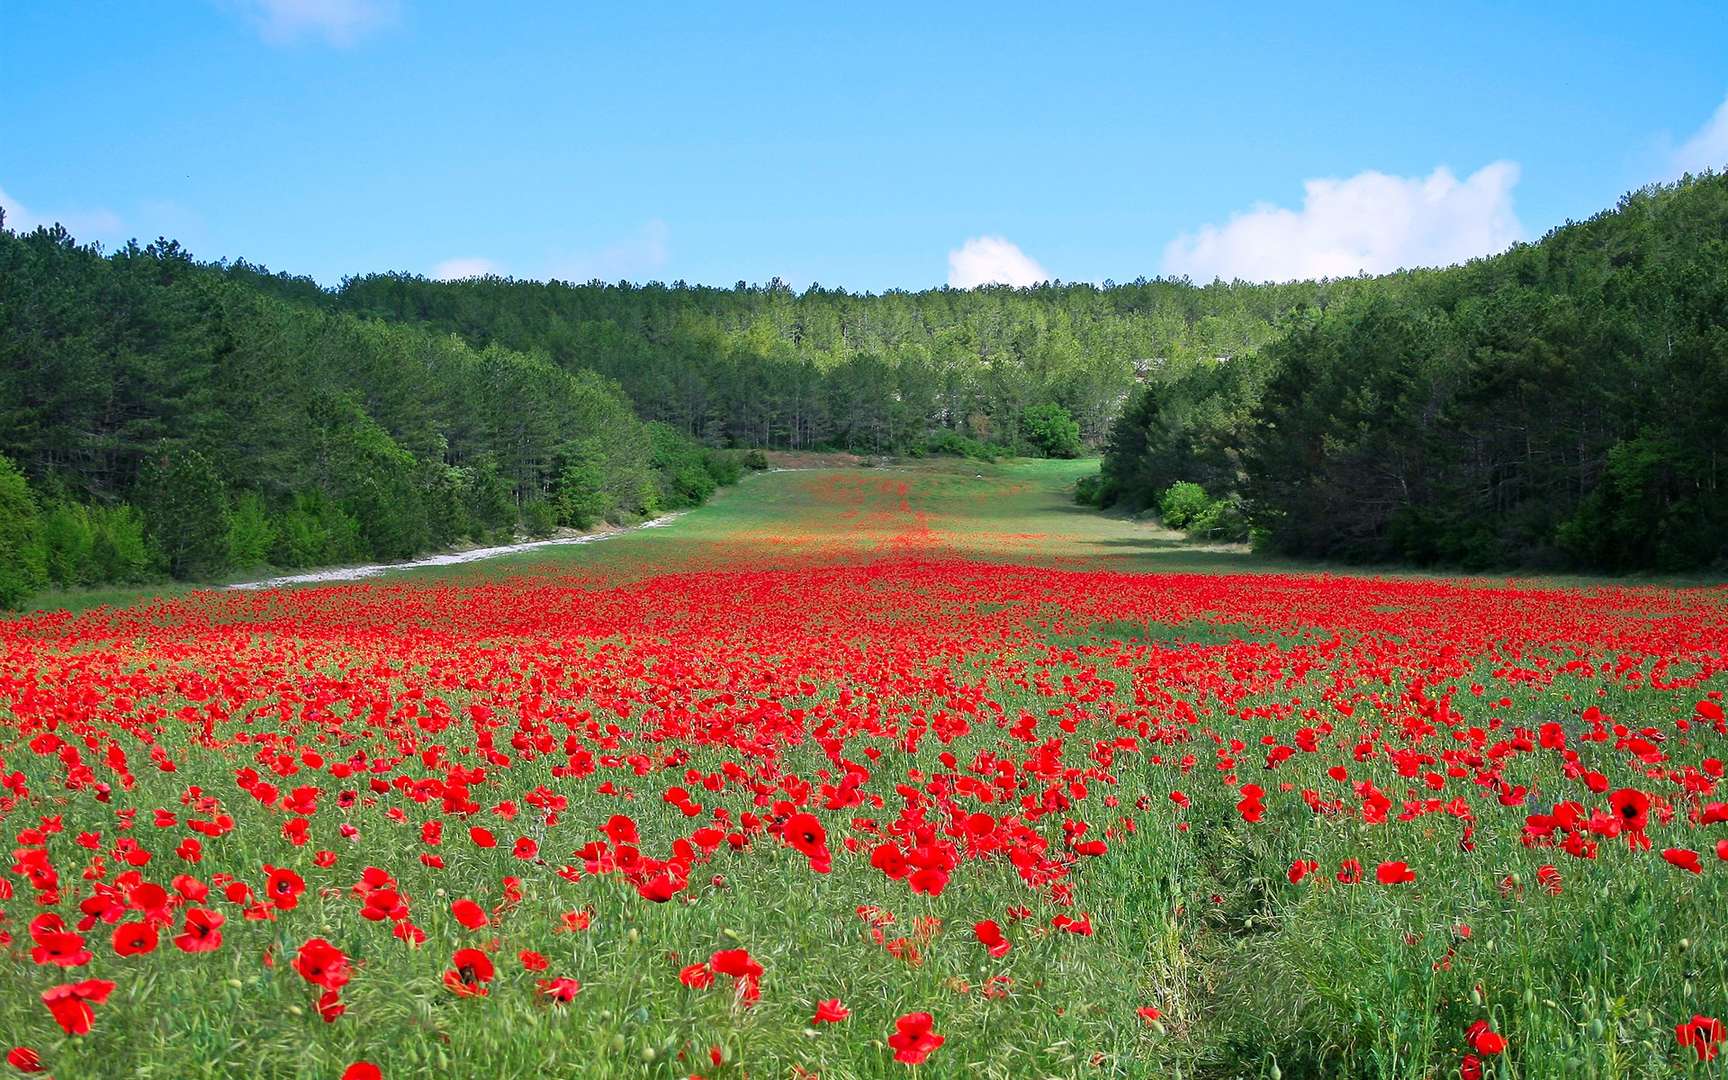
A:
x: 159, y: 417
x: 162, y: 416
x: 1558, y: 405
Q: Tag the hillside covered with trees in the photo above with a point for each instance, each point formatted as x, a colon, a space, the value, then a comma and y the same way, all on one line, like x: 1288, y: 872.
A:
x: 1558, y: 405
x: 161, y: 417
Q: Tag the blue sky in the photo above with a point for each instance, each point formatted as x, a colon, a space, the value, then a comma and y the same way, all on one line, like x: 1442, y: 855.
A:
x: 888, y: 145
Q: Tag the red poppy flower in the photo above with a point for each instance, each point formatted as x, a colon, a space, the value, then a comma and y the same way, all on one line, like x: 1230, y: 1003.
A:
x: 1394, y: 872
x: 1684, y: 858
x: 201, y: 932
x: 1702, y: 1035
x: 322, y: 964
x: 736, y: 963
x: 830, y: 1011
x: 1549, y: 878
x: 890, y: 860
x: 696, y: 976
x: 24, y: 1059
x: 991, y: 937
x: 362, y: 1070
x: 134, y: 938
x: 1300, y: 869
x: 55, y: 944
x: 469, y: 914
x: 1484, y: 1039
x: 382, y: 904
x: 560, y: 990
x: 1350, y: 871
x: 469, y: 973
x: 531, y: 960
x: 1631, y: 808
x: 1149, y: 1013
x: 70, y: 1003
x: 914, y: 1038
x: 283, y: 887
x: 621, y: 830
x: 806, y: 834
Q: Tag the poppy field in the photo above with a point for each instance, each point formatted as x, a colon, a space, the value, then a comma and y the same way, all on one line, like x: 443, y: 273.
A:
x: 869, y: 784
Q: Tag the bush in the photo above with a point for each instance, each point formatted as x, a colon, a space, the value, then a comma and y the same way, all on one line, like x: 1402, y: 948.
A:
x: 1181, y: 503
x: 487, y: 500
x: 755, y: 460
x: 686, y: 477
x: 581, y: 498
x: 67, y: 540
x: 20, y: 556
x: 186, y: 509
x: 251, y: 535
x: 315, y: 531
x: 1186, y: 505
x: 1089, y: 491
x: 119, y: 551
x: 958, y: 445
x: 1051, y: 431
x: 1221, y: 519
x: 539, y: 518
x: 725, y: 467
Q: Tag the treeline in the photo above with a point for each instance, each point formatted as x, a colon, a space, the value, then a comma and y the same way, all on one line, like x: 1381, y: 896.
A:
x: 163, y: 417
x: 764, y: 366
x: 1561, y: 404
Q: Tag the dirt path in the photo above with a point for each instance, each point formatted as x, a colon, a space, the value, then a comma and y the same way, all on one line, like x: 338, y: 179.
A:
x: 453, y: 558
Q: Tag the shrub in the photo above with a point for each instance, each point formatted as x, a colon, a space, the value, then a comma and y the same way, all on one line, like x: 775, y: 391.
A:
x: 685, y: 474
x: 755, y: 460
x: 315, y: 530
x: 119, y: 551
x: 186, y: 509
x: 958, y: 445
x: 539, y: 518
x: 1181, y: 503
x: 251, y: 534
x: 724, y: 466
x: 1088, y: 490
x: 487, y: 499
x: 66, y: 540
x: 581, y: 499
x: 1051, y: 431
x: 20, y: 556
x: 1220, y: 519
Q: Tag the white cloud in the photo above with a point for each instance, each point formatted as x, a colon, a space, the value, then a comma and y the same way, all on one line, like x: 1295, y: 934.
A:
x: 992, y: 260
x: 1707, y: 148
x: 84, y: 225
x: 338, y: 22
x: 457, y: 269
x: 634, y: 258
x: 1370, y: 222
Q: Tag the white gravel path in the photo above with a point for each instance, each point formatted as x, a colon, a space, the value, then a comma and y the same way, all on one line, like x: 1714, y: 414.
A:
x: 355, y: 573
